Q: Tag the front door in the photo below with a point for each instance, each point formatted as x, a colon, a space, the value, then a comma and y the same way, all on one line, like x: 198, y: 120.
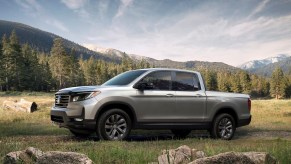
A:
x: 156, y: 103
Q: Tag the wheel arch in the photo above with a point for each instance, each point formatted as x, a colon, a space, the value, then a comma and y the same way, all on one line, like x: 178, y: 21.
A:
x: 119, y: 105
x: 228, y: 110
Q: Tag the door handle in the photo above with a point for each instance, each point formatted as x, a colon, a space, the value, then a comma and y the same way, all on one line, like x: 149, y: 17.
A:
x: 169, y: 95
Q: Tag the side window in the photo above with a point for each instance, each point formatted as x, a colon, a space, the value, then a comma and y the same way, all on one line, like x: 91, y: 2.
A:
x: 186, y: 82
x: 160, y: 80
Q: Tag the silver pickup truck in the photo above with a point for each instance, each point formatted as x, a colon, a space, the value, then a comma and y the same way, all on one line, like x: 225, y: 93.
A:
x: 155, y: 98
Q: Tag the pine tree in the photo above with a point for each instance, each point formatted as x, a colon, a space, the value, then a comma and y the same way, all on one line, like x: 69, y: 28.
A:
x: 245, y: 82
x: 211, y: 80
x: 222, y: 81
x: 90, y: 73
x: 45, y: 76
x: 2, y: 79
x: 235, y: 83
x: 278, y: 84
x: 58, y: 61
x: 31, y: 68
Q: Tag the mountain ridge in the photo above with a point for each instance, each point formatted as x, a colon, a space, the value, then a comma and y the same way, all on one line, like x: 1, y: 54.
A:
x: 43, y: 41
x: 253, y: 65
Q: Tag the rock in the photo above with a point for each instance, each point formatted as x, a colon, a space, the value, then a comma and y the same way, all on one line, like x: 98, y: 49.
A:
x: 225, y: 158
x: 261, y: 157
x: 34, y: 153
x: 175, y: 156
x: 196, y: 154
x: 17, y: 157
x: 56, y: 157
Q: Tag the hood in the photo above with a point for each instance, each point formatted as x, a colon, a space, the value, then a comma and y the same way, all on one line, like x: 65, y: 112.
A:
x: 78, y: 89
x: 226, y: 94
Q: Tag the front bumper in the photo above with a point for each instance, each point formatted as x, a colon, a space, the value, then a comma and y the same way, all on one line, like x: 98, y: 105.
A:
x: 61, y: 117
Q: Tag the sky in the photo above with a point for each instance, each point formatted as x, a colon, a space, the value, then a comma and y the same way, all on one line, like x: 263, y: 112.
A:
x: 229, y: 31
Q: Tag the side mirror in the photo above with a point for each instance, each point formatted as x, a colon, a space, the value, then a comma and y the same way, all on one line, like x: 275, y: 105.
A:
x: 140, y: 86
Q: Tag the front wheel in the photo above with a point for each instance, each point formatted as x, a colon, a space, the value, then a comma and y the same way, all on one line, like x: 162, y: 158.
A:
x: 114, y: 124
x: 223, y: 127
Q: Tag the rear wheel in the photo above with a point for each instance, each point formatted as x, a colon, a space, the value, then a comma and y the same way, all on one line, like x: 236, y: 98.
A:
x: 114, y: 124
x: 223, y: 127
x: 181, y: 133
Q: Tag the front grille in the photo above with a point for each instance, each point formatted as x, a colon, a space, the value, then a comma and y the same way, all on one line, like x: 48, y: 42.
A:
x: 57, y: 119
x: 62, y: 100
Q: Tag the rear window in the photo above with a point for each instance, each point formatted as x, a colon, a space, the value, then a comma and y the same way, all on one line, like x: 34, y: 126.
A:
x: 185, y: 81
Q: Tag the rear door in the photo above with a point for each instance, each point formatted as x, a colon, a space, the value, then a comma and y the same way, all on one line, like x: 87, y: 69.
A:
x: 190, y: 98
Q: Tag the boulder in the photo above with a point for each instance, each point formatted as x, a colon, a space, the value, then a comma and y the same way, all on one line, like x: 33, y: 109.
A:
x: 17, y: 157
x: 34, y: 155
x: 196, y: 154
x: 261, y: 157
x: 238, y: 158
x: 55, y: 157
x: 225, y: 158
x: 182, y: 154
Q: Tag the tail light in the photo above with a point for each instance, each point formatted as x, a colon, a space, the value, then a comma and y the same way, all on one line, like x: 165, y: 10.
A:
x: 249, y: 104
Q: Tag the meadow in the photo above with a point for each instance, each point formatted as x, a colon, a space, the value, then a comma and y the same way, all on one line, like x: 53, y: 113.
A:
x: 269, y: 131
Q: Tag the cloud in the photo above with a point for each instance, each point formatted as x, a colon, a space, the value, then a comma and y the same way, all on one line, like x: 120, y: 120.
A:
x: 259, y: 8
x: 122, y: 7
x: 30, y: 6
x: 57, y: 24
x: 74, y: 4
x: 78, y: 6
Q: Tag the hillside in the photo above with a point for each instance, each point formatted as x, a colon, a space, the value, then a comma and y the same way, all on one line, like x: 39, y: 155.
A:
x: 197, y: 65
x: 42, y: 41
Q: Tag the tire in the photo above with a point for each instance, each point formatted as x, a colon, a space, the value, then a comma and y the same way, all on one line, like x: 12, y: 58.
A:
x: 223, y: 127
x: 114, y: 124
x: 181, y: 133
x: 80, y: 134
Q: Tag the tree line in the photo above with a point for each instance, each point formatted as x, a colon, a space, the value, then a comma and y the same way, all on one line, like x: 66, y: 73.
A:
x: 24, y: 69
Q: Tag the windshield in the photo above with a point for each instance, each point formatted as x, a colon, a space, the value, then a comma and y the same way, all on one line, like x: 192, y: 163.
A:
x: 124, y: 78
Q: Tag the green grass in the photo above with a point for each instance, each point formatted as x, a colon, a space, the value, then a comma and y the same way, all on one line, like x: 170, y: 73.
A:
x: 21, y: 130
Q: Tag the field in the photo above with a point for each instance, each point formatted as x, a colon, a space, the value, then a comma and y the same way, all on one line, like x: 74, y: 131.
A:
x: 269, y: 131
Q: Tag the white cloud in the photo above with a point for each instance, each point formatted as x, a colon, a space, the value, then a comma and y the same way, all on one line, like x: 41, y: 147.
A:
x: 30, y: 6
x: 259, y: 8
x: 122, y: 7
x: 74, y: 4
x: 59, y: 25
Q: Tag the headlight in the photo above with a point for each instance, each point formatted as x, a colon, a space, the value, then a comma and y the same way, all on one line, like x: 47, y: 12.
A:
x: 81, y: 96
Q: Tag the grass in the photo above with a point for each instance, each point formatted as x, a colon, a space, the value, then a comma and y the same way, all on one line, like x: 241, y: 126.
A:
x: 269, y: 132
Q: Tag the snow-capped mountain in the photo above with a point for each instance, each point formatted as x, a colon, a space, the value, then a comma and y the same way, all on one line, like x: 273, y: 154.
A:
x: 256, y: 64
x: 113, y: 52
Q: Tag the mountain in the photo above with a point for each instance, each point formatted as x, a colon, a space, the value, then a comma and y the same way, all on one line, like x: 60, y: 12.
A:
x: 267, y: 70
x: 217, y: 66
x: 254, y: 65
x: 42, y: 41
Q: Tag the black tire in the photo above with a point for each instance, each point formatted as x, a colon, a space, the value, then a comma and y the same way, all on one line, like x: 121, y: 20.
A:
x: 223, y: 127
x: 181, y: 133
x: 80, y: 134
x: 114, y: 124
